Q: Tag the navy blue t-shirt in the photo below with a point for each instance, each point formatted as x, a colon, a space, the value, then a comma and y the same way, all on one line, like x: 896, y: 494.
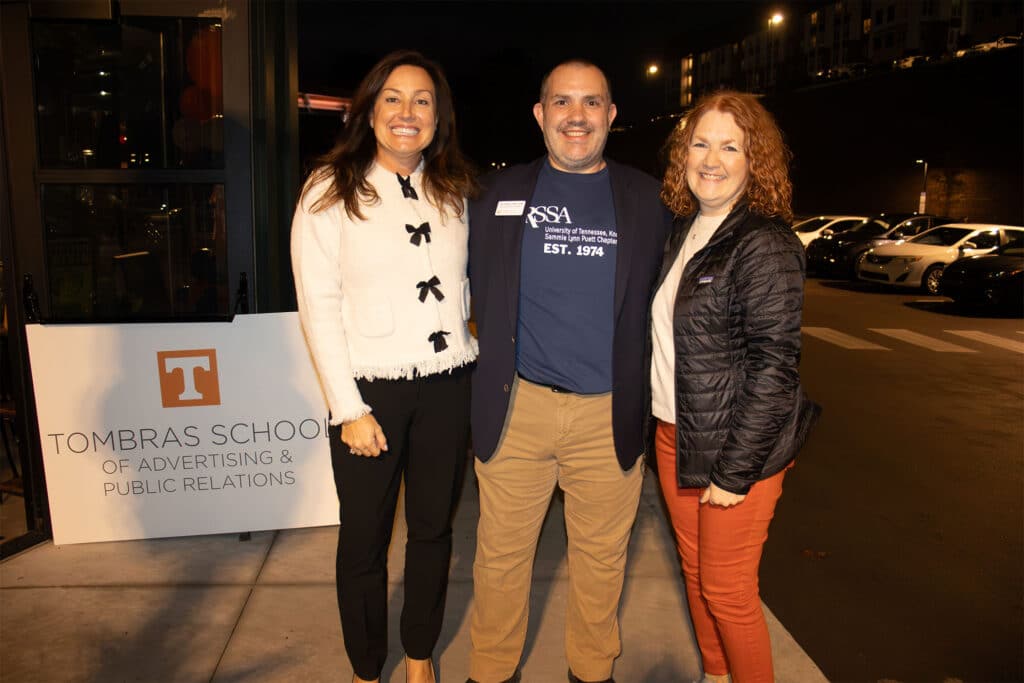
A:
x: 567, y: 282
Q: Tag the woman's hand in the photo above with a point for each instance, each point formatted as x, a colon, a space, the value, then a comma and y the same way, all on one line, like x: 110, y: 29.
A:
x: 720, y: 497
x: 363, y: 436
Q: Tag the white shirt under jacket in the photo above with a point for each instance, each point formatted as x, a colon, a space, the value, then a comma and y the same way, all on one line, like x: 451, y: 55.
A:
x: 359, y: 285
x: 663, y: 358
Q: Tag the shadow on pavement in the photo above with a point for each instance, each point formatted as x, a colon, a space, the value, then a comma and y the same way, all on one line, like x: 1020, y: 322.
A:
x: 954, y: 309
x: 862, y: 286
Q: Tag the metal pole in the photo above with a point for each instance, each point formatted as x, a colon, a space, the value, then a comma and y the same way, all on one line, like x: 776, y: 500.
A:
x: 924, y: 189
x: 923, y: 201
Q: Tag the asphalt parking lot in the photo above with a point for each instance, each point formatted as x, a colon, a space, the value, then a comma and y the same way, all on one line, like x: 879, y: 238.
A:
x: 897, y: 548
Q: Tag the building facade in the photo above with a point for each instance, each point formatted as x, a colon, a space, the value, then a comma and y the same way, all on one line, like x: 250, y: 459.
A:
x: 150, y: 169
x: 847, y: 39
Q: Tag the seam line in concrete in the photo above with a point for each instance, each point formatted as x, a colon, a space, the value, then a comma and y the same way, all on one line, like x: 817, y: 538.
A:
x: 241, y: 612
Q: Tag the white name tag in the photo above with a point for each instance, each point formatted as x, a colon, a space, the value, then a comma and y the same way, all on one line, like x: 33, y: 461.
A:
x: 510, y: 208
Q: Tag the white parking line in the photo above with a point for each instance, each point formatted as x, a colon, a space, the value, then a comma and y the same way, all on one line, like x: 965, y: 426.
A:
x: 843, y: 340
x: 927, y: 342
x: 992, y: 339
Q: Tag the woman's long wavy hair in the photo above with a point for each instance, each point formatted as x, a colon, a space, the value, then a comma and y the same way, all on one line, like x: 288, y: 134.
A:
x: 769, y: 191
x: 447, y: 176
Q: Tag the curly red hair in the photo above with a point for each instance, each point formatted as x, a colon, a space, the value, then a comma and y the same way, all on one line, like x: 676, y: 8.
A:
x: 769, y: 191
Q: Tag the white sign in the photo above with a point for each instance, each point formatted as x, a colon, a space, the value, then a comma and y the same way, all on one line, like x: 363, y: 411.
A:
x: 176, y: 429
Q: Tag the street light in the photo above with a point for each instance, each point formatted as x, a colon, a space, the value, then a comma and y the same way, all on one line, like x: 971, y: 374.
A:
x: 775, y: 20
x: 654, y: 76
x: 924, y: 187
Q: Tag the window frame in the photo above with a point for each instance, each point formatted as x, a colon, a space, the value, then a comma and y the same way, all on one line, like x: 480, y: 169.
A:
x: 27, y: 175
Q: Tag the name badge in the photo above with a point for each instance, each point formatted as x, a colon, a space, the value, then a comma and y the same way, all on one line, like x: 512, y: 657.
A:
x: 510, y: 208
x: 706, y: 280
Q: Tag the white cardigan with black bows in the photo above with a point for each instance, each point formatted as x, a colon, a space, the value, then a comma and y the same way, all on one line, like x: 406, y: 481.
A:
x: 384, y: 297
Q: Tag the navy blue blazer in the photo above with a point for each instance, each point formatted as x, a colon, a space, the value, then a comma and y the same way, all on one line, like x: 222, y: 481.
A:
x: 495, y: 250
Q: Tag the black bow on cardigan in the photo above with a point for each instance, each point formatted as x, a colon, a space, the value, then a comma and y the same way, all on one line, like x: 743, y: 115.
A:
x: 407, y: 189
x: 418, y: 234
x: 431, y: 287
x: 437, y: 339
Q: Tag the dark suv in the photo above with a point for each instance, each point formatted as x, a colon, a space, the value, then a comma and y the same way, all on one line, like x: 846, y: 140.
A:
x: 838, y: 255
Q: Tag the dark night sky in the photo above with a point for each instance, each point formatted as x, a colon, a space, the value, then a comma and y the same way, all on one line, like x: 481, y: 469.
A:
x: 854, y: 144
x: 495, y: 53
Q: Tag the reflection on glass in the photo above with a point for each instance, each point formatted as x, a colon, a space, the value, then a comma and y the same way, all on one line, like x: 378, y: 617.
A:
x: 142, y: 93
x: 124, y: 252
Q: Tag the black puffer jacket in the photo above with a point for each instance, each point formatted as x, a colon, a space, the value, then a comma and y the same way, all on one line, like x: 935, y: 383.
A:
x: 741, y: 414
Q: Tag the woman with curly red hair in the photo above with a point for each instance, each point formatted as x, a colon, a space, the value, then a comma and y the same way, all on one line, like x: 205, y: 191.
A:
x: 725, y: 368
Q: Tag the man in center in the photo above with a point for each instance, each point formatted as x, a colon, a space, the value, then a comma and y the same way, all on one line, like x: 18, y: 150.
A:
x: 563, y: 254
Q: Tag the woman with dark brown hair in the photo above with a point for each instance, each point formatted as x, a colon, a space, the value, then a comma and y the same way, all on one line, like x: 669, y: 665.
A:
x: 725, y: 368
x: 379, y: 245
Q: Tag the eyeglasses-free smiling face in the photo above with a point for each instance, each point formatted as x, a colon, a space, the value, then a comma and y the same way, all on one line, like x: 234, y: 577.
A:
x: 404, y: 118
x: 575, y: 114
x: 716, y: 163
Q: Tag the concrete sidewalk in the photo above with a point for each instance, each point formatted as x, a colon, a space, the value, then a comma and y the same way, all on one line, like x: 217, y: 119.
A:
x: 213, y: 608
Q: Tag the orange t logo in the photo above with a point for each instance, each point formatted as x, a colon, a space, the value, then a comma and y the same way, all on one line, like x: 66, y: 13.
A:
x: 188, y: 378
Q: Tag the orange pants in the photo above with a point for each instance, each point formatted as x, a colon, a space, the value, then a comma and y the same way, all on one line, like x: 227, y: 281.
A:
x: 721, y: 551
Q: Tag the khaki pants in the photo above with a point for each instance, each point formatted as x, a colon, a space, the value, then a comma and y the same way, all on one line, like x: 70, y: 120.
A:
x: 565, y: 439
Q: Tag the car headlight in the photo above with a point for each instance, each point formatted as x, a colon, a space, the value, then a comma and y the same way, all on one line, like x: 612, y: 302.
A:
x: 907, y: 259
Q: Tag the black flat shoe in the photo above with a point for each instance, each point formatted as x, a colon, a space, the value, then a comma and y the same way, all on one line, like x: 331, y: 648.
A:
x: 516, y: 677
x: 573, y: 678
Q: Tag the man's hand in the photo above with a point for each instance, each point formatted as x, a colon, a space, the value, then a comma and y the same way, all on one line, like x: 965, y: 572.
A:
x: 363, y: 436
x: 720, y: 497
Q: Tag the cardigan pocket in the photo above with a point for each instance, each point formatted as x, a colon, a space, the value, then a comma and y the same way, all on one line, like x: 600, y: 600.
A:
x: 466, y: 299
x: 372, y: 316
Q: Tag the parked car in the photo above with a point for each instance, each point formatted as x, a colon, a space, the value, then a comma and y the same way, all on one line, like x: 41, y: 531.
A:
x: 808, y: 229
x: 1000, y: 43
x: 910, y: 62
x: 919, y: 261
x: 844, y: 71
x: 839, y: 255
x: 995, y: 279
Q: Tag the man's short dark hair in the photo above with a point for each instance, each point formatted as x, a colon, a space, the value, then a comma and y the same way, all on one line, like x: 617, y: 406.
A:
x: 574, y: 62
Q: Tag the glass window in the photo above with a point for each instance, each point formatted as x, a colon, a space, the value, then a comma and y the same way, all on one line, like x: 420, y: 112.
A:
x: 941, y: 237
x: 844, y: 225
x: 910, y: 227
x: 142, y: 93
x: 985, y: 240
x: 811, y: 224
x: 869, y: 229
x: 1014, y: 245
x: 123, y: 252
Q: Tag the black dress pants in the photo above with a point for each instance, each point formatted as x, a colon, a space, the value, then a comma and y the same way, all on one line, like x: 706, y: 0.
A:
x: 426, y: 423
